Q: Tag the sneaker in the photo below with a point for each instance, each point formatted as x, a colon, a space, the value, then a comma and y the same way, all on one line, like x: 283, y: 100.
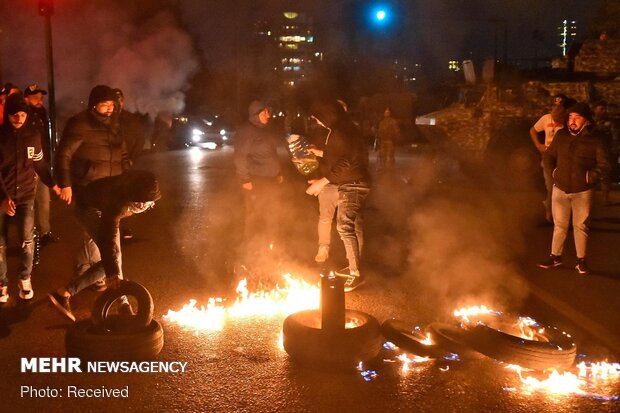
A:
x: 322, y: 254
x: 582, y: 267
x: 126, y: 233
x: 61, y: 304
x: 25, y: 289
x: 551, y: 262
x: 343, y: 272
x: 99, y: 285
x: 353, y: 282
x: 4, y: 295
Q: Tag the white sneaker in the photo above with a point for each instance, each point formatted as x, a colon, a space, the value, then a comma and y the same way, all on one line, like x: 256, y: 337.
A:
x: 322, y: 254
x: 25, y: 289
x: 4, y: 295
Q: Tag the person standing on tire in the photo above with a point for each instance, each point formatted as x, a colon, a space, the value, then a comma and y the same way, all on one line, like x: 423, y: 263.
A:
x: 258, y: 170
x: 576, y: 159
x: 114, y: 198
x: 91, y: 148
x: 345, y: 164
x: 550, y: 123
x: 21, y: 157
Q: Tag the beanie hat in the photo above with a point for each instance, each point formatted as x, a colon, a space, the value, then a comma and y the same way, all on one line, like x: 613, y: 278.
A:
x: 15, y: 103
x: 101, y: 93
x: 582, y: 109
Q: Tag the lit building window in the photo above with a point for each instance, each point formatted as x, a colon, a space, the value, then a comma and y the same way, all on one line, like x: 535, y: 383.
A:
x: 454, y: 65
x: 310, y: 39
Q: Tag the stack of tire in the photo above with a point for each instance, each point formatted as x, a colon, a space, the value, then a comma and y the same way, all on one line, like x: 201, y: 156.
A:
x: 107, y: 336
x: 551, y: 348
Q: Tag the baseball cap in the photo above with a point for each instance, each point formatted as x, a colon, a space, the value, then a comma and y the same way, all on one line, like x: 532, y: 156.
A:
x: 33, y: 90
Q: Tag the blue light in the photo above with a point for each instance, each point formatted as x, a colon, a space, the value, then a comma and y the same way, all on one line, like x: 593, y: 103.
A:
x: 380, y: 15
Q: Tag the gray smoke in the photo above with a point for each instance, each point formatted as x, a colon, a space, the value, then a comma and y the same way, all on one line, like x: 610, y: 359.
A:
x: 98, y: 42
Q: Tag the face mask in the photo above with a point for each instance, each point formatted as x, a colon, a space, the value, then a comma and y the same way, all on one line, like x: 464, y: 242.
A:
x: 139, y: 207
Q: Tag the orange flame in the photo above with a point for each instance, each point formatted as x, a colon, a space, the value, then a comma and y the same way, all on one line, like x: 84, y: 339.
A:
x: 297, y: 295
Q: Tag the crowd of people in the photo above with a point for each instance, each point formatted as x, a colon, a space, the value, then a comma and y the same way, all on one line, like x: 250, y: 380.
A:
x: 92, y: 170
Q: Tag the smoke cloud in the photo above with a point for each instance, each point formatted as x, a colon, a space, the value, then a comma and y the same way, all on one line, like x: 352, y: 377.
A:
x: 149, y: 58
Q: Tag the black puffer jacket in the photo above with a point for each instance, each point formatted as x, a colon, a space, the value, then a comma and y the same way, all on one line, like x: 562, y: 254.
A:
x: 112, y: 196
x: 89, y: 149
x: 345, y: 156
x: 578, y: 162
x: 21, y: 156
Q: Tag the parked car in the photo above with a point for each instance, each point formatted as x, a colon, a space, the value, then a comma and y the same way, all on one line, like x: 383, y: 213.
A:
x: 202, y: 131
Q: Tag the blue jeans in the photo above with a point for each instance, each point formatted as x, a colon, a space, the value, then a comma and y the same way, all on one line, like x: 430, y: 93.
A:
x: 42, y: 206
x: 88, y: 262
x: 563, y: 205
x: 351, y: 200
x: 24, y: 215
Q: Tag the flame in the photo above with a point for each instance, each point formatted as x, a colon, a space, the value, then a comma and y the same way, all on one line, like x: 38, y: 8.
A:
x: 408, y: 361
x: 427, y: 341
x: 568, y: 383
x: 466, y: 312
x: 297, y: 295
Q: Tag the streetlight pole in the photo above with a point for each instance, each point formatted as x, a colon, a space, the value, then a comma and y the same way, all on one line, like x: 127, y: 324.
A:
x: 46, y: 9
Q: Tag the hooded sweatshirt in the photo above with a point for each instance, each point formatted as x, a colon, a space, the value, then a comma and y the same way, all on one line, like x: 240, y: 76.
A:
x: 345, y: 157
x: 256, y: 148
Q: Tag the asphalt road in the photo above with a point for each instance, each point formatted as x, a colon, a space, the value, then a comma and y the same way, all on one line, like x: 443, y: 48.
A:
x: 436, y: 240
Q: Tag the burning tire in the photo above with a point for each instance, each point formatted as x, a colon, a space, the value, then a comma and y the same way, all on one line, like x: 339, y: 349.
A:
x: 548, y: 348
x: 453, y: 339
x: 105, y: 302
x: 398, y: 332
x: 90, y: 342
x: 307, y: 343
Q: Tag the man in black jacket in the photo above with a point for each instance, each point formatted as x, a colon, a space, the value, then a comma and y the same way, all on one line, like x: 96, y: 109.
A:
x: 115, y: 197
x: 34, y: 96
x: 577, y: 161
x: 21, y: 156
x: 91, y: 148
x: 258, y: 171
x: 345, y: 163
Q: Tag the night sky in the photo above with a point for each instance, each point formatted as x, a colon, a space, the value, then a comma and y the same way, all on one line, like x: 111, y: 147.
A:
x: 159, y: 44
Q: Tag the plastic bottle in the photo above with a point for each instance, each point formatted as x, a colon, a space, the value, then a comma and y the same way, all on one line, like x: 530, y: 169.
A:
x: 304, y: 160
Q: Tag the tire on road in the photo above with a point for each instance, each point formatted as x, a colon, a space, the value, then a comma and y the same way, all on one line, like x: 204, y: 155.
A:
x: 142, y: 317
x: 307, y: 343
x: 89, y: 342
x: 556, y: 351
x: 453, y: 339
x: 398, y: 332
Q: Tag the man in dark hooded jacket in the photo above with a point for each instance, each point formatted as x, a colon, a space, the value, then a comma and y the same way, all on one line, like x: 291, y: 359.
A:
x: 21, y: 156
x: 345, y: 163
x: 258, y: 170
x: 115, y: 197
x: 91, y: 148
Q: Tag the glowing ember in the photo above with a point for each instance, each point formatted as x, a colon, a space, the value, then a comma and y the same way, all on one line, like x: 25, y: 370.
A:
x: 297, y: 295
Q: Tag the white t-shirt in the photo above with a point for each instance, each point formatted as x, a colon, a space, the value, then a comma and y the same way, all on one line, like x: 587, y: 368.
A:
x: 547, y: 124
